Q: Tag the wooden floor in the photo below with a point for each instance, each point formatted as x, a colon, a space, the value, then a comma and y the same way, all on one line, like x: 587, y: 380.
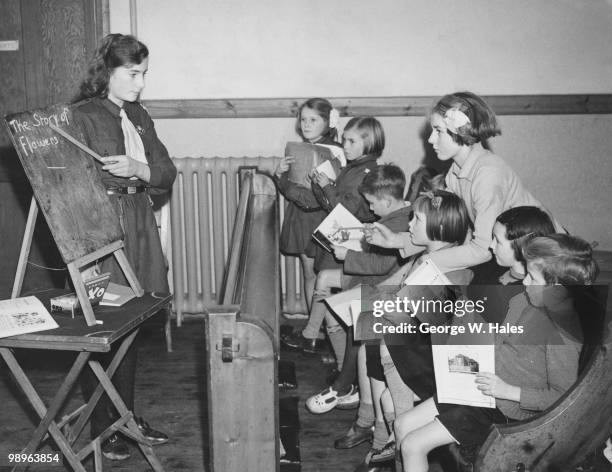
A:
x: 170, y: 394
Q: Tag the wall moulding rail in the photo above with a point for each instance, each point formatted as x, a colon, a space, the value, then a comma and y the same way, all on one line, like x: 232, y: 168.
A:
x: 377, y: 106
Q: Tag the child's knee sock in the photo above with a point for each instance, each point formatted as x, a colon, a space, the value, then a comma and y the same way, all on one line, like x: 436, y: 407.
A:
x: 337, y: 338
x: 317, y: 314
x: 389, y: 419
x: 403, y: 398
x: 380, y: 435
x: 365, y: 415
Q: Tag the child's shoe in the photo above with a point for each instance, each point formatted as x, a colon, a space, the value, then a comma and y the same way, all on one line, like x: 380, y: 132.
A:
x: 328, y: 399
x: 350, y: 400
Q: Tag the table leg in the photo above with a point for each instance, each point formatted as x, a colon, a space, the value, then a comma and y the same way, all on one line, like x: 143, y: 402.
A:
x: 47, y: 422
x: 143, y: 443
x: 114, y: 364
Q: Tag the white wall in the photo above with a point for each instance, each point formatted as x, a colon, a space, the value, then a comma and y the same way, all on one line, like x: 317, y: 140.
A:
x: 340, y: 48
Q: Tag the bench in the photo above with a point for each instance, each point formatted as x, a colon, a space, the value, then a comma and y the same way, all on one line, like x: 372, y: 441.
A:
x: 242, y: 336
x: 559, y: 438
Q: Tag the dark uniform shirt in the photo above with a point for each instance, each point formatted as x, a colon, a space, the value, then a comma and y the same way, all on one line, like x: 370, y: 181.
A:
x: 101, y: 124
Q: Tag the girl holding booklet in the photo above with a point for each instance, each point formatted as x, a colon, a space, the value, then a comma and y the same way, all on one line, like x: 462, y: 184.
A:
x: 316, y: 123
x: 532, y: 370
x: 363, y: 142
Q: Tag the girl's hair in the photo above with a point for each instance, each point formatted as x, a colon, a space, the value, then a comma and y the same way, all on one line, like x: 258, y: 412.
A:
x: 446, y: 216
x: 424, y: 179
x: 115, y: 50
x: 371, y: 131
x: 523, y: 223
x: 482, y: 124
x: 322, y: 107
x: 562, y: 259
x: 385, y: 180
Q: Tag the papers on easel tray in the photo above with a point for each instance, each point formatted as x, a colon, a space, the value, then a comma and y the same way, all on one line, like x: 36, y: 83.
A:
x: 346, y: 304
x: 455, y: 367
x: 341, y: 228
x: 95, y: 287
x: 117, y: 295
x: 24, y: 315
x: 427, y: 273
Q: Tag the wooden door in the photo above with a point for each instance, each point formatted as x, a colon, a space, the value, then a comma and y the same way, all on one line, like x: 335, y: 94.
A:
x: 44, y: 49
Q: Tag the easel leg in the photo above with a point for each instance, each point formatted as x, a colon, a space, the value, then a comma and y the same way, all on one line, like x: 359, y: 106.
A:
x: 81, y: 292
x: 25, y: 248
x: 128, y: 272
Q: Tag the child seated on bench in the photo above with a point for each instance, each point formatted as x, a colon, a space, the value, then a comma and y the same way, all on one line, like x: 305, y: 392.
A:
x: 530, y: 376
x: 383, y: 189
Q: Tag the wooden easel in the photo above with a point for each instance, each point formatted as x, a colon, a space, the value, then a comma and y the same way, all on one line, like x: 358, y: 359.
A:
x: 74, y: 267
x: 69, y: 191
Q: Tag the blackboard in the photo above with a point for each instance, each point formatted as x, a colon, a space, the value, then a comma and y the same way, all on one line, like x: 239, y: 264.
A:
x: 65, y: 182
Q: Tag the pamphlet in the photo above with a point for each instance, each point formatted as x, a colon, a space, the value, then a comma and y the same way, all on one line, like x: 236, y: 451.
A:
x: 24, y: 315
x: 117, y: 295
x: 455, y: 367
x: 327, y: 169
x: 427, y: 273
x: 346, y: 304
x: 306, y: 157
x: 341, y: 228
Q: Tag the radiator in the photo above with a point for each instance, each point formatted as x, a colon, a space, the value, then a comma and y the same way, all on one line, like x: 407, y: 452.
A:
x: 202, y: 211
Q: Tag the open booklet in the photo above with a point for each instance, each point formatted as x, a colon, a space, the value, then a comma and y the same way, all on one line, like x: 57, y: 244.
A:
x: 24, y: 315
x: 455, y: 367
x: 341, y: 228
x: 455, y: 364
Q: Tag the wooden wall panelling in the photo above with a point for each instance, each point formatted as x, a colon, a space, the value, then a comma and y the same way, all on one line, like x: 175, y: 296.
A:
x: 376, y: 106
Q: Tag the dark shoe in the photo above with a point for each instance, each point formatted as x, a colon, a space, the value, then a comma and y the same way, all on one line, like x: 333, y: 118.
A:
x: 355, y: 436
x: 385, y: 454
x: 298, y: 342
x: 154, y: 436
x: 115, y: 449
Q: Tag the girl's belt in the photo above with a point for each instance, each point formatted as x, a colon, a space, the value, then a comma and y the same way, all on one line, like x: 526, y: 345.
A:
x: 126, y: 190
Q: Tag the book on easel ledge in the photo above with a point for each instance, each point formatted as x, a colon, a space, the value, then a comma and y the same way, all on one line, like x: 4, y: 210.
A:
x: 24, y: 315
x: 117, y: 295
x: 95, y: 287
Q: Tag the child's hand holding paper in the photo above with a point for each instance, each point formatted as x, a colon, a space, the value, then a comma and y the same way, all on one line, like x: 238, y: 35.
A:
x: 326, y: 168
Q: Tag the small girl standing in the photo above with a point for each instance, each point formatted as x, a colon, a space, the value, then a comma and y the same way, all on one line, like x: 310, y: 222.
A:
x: 316, y: 123
x: 363, y: 141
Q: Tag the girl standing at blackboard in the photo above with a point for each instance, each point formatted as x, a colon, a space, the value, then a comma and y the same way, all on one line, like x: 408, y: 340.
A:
x: 136, y: 164
x: 316, y: 123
